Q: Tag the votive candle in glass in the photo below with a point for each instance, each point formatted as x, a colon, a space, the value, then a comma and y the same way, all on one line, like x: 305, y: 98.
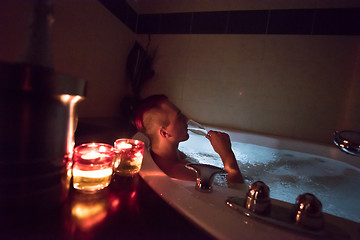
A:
x: 92, y: 167
x: 128, y: 156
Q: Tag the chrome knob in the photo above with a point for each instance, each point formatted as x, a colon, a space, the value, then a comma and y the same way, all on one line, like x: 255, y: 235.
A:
x: 308, y: 211
x: 258, y: 198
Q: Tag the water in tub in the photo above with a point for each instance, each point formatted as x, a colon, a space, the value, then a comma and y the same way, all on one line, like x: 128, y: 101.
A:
x: 289, y: 174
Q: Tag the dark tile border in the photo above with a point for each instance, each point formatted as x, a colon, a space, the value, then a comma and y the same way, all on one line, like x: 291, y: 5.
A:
x: 292, y: 21
x: 175, y: 23
x: 148, y: 23
x: 122, y: 10
x: 334, y: 21
x: 344, y: 21
x: 209, y: 22
x: 248, y: 22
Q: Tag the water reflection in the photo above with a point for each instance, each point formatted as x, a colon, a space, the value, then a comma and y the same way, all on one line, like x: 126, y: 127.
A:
x: 91, y: 211
x: 88, y: 210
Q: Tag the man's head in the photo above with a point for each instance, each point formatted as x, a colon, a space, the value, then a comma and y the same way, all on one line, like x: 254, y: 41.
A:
x: 158, y: 118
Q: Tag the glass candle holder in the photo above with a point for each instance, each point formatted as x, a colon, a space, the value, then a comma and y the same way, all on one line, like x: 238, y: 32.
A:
x: 92, y: 167
x: 128, y: 156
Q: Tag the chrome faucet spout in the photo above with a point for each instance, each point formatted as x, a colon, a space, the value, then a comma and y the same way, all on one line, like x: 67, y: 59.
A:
x: 205, y: 175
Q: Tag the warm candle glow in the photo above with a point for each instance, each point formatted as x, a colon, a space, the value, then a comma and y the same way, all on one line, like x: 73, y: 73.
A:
x: 70, y: 101
x: 123, y: 145
x: 92, y: 174
x: 88, y: 215
x: 91, y: 155
x: 92, y: 168
x: 102, y: 149
x: 91, y: 180
x: 129, y: 156
x: 82, y: 211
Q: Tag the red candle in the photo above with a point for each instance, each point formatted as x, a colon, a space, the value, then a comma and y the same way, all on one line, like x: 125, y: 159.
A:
x: 128, y: 156
x: 92, y: 167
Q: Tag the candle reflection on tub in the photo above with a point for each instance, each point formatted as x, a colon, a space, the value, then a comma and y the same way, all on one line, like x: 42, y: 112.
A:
x: 90, y: 210
x: 92, y: 168
x: 86, y: 216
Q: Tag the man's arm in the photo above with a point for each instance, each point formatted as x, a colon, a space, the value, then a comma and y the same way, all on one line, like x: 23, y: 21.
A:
x: 222, y: 145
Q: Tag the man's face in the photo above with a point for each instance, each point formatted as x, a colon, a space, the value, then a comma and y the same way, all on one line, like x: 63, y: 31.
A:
x: 178, y: 123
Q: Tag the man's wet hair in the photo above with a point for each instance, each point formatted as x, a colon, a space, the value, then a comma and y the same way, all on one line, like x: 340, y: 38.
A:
x: 145, y: 105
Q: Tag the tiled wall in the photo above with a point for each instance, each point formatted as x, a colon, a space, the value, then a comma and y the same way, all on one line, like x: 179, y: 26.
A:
x: 294, y: 86
x: 308, y: 21
x: 338, y: 21
x: 87, y: 41
x: 288, y: 72
x: 91, y: 43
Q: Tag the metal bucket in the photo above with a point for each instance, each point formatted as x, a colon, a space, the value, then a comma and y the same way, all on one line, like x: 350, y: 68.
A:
x: 36, y: 130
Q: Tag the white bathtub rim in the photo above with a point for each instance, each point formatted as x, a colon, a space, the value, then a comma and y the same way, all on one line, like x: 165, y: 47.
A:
x: 182, y: 196
x: 283, y: 143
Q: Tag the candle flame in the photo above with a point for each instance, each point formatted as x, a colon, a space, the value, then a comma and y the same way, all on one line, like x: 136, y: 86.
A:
x: 123, y: 145
x: 102, y: 149
x: 91, y: 155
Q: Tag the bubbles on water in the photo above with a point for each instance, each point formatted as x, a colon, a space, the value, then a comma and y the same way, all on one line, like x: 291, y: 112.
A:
x: 289, y: 174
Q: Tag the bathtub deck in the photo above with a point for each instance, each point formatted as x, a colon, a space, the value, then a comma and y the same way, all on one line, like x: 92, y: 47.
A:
x: 127, y: 209
x: 209, y: 211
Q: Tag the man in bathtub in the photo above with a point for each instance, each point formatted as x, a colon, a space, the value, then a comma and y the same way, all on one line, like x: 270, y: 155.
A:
x: 165, y: 126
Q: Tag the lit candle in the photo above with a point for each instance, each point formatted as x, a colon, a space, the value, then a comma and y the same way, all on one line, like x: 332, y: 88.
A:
x: 91, y: 155
x: 129, y: 156
x: 92, y: 169
x: 123, y: 145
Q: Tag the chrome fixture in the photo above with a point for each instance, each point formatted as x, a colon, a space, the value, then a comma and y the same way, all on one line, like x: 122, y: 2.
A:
x: 308, y: 211
x: 258, y: 198
x: 205, y: 175
x: 348, y: 141
x: 305, y: 217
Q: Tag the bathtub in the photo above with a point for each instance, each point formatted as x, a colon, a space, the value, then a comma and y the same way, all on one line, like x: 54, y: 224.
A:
x: 291, y: 168
x: 210, y: 212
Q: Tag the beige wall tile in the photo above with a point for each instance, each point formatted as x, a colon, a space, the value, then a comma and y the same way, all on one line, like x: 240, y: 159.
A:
x: 15, y: 19
x: 337, y: 3
x: 295, y: 86
x: 166, y: 6
x: 291, y: 4
x: 87, y: 41
x: 286, y: 85
x: 198, y: 111
x: 93, y: 48
x: 235, y: 116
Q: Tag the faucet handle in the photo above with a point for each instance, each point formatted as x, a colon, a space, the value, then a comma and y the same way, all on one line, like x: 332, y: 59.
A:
x: 308, y: 211
x: 205, y: 175
x: 258, y: 198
